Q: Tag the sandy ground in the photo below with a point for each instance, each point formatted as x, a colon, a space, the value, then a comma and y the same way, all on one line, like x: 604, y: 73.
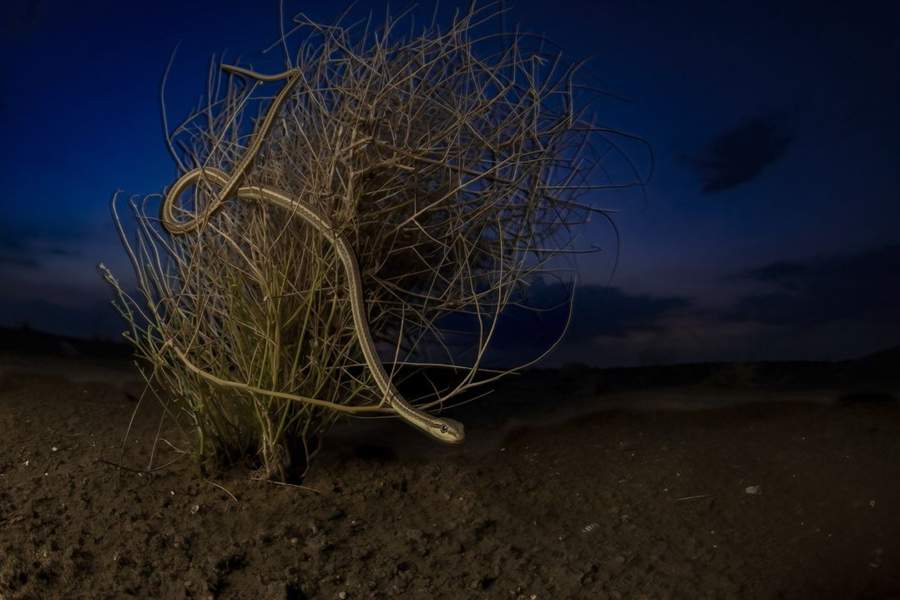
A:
x: 564, y: 489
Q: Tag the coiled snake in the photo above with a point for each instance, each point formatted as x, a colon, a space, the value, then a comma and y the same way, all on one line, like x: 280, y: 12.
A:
x: 445, y: 430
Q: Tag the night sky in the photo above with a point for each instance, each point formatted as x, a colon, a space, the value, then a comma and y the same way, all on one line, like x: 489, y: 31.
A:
x: 769, y: 230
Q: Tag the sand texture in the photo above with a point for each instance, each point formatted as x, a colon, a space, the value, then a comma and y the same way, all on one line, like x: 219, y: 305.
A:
x: 561, y: 491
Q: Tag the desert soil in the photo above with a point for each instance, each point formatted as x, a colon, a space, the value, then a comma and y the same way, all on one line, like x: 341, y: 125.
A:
x: 558, y: 493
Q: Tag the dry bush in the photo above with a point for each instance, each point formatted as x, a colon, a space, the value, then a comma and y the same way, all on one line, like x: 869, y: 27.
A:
x: 454, y: 165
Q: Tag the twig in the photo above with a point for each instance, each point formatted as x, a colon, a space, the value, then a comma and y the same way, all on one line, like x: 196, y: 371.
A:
x: 133, y: 470
x: 697, y: 497
x: 286, y: 484
x: 221, y: 487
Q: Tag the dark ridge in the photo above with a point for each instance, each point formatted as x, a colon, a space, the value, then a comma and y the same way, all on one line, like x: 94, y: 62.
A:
x: 24, y: 341
x: 879, y: 366
x: 883, y: 365
x: 868, y: 398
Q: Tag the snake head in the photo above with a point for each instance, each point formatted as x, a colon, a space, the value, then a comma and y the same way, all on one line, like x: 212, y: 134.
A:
x: 448, y: 431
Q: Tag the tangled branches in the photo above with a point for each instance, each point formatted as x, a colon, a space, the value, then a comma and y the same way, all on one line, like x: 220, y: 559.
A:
x: 452, y: 164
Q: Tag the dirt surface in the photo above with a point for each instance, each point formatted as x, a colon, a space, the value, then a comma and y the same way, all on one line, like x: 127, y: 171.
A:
x: 575, y: 498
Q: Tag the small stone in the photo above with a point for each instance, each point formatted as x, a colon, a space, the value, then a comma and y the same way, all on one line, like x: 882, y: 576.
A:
x: 54, y: 449
x: 753, y: 489
x: 195, y: 509
x: 342, y: 595
x: 336, y: 514
x: 414, y: 535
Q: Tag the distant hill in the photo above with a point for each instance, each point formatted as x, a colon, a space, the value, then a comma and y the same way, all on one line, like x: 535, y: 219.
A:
x: 883, y: 365
x: 26, y: 341
x: 888, y: 356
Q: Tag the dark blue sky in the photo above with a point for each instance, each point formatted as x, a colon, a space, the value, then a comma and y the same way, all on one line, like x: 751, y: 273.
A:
x: 769, y: 230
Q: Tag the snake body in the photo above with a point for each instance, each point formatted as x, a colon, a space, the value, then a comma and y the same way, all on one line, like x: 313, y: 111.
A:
x: 445, y: 430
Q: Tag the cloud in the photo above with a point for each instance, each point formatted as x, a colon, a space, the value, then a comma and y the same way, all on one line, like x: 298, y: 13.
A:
x: 741, y: 154
x: 611, y: 312
x: 14, y: 248
x: 22, y: 17
x: 23, y: 245
x: 13, y: 239
x: 18, y: 261
x: 823, y: 289
x: 61, y: 251
x: 91, y: 319
x: 599, y: 311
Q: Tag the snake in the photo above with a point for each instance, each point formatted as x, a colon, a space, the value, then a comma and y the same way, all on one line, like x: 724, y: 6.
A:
x: 442, y: 429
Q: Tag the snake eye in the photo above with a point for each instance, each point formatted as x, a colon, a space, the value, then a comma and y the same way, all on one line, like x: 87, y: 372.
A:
x: 444, y: 429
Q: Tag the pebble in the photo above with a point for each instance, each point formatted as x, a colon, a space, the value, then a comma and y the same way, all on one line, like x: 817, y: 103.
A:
x: 753, y: 489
